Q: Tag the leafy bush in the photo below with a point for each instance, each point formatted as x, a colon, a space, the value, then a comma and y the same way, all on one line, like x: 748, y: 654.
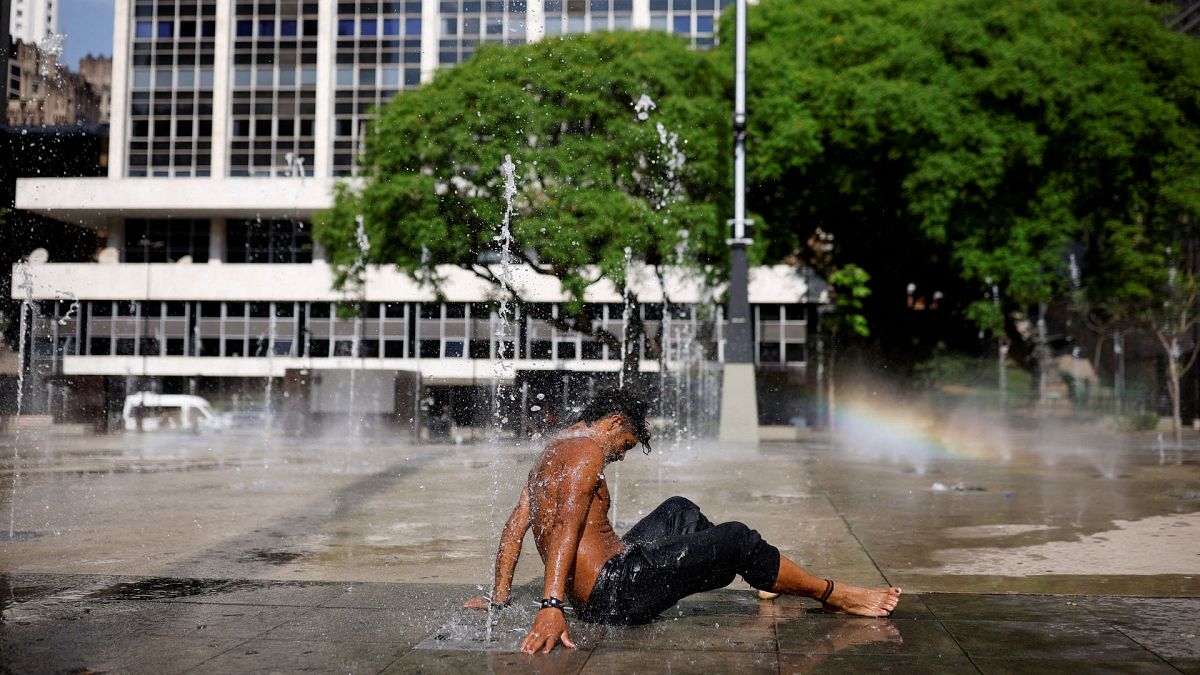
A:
x: 1142, y: 421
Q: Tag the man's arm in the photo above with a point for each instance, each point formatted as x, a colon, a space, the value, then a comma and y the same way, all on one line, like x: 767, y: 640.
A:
x: 576, y: 492
x: 507, y: 554
x: 510, y: 548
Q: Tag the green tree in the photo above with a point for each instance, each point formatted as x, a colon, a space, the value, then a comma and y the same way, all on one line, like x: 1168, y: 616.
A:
x: 949, y: 142
x: 848, y: 288
x: 1172, y: 323
x: 596, y: 172
x: 1148, y: 277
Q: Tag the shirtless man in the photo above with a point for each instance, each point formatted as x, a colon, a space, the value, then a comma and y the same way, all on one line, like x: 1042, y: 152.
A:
x: 670, y: 554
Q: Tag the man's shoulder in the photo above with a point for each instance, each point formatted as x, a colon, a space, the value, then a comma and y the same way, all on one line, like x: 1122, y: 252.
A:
x: 574, y: 449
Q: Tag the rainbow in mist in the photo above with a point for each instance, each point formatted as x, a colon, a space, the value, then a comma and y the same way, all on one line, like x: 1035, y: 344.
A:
x: 902, y: 433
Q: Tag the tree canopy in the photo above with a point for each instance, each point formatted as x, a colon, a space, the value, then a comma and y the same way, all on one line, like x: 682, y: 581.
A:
x: 596, y: 171
x: 951, y: 141
x: 950, y: 144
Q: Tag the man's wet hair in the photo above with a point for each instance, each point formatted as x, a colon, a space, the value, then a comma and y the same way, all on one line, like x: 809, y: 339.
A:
x: 629, y: 403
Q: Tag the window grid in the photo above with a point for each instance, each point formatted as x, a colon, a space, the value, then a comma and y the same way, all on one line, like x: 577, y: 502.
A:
x: 171, y: 95
x: 781, y: 334
x: 162, y: 240
x: 378, y: 55
x: 383, y: 330
x: 268, y: 241
x: 274, y: 98
x: 586, y: 16
x: 695, y: 20
x: 469, y: 23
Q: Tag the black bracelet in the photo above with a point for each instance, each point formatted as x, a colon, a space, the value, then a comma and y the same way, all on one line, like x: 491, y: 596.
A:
x: 553, y: 602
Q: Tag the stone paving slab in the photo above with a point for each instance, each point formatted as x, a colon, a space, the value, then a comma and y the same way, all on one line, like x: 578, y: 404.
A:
x: 222, y: 626
x: 352, y: 559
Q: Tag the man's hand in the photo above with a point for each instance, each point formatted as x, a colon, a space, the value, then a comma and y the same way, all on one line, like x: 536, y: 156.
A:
x: 548, y: 627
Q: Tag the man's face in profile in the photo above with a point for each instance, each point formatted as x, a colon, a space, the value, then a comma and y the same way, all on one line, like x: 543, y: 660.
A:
x: 623, y: 438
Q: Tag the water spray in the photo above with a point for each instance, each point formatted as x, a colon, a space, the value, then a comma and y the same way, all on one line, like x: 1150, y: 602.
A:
x: 26, y: 286
x: 503, y: 366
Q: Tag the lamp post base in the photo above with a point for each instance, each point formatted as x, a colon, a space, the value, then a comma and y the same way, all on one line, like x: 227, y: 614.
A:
x: 739, y: 405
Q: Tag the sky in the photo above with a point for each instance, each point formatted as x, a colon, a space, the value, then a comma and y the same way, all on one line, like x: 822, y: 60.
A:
x: 88, y: 25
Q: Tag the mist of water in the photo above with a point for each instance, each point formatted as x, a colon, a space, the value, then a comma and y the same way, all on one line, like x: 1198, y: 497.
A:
x: 26, y: 286
x: 503, y: 365
x: 916, y: 434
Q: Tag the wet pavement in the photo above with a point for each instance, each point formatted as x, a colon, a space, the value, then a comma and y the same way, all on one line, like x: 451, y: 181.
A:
x: 1069, y: 550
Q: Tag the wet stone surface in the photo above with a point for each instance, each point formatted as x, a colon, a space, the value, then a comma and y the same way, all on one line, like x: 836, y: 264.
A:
x: 248, y: 554
x: 227, y: 627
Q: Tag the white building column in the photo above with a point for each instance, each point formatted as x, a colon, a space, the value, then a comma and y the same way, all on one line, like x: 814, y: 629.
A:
x: 119, y: 115
x: 641, y: 14
x: 116, y: 233
x: 323, y: 131
x: 431, y: 31
x: 217, y: 240
x: 535, y: 21
x: 222, y: 64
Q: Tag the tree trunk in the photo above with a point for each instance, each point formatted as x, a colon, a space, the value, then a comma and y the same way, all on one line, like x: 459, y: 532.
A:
x: 1173, y: 388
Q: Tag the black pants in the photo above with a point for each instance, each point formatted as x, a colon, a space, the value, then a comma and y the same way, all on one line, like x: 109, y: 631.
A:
x: 672, y: 553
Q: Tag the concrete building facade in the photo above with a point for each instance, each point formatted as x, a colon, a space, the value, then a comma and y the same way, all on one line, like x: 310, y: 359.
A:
x: 43, y: 92
x: 32, y: 21
x: 97, y: 72
x: 233, y: 121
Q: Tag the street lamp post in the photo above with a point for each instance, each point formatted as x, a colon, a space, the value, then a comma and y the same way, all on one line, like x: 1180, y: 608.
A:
x: 739, y: 395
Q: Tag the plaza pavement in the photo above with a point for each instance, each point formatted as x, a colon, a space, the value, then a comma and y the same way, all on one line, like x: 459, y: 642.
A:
x: 268, y: 554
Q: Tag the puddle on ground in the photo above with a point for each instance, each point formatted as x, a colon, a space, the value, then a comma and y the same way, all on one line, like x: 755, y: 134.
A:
x: 1120, y: 551
x: 271, y: 557
x: 20, y: 535
x: 988, y: 531
x: 159, y: 588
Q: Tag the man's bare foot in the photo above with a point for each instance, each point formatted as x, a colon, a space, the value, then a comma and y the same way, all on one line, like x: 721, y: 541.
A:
x: 863, y: 601
x: 767, y: 595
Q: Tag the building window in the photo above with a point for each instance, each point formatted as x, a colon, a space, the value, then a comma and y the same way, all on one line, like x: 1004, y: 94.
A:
x: 167, y: 90
x: 269, y: 241
x: 370, y: 70
x: 781, y: 333
x: 161, y: 240
x: 275, y: 90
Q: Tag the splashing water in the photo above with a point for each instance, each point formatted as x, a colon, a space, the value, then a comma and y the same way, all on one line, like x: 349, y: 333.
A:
x: 503, y: 366
x: 26, y: 303
x: 73, y: 310
x: 626, y: 315
x: 673, y: 161
x: 505, y: 239
x: 1001, y: 353
x: 267, y: 393
x: 360, y: 266
x: 26, y: 286
x: 681, y: 359
x: 643, y: 106
x: 51, y: 46
x: 360, y: 238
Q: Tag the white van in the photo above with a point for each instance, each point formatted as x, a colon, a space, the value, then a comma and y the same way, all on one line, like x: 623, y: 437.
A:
x: 147, y: 411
